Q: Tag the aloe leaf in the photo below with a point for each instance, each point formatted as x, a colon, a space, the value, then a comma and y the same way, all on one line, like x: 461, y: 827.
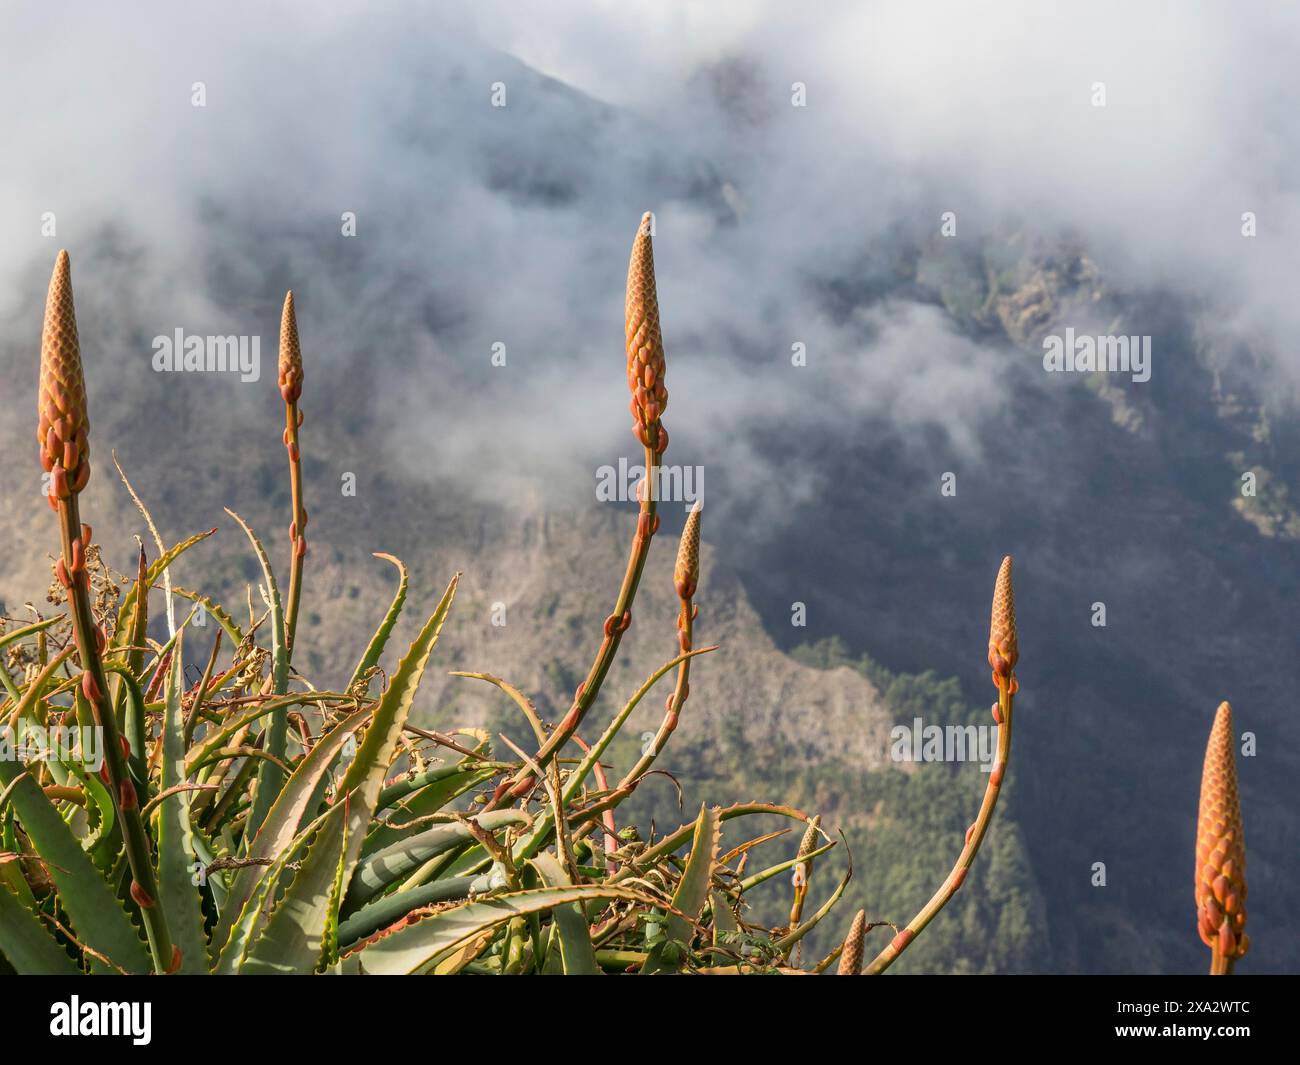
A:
x: 216, y: 610
x: 724, y: 920
x: 389, y: 908
x: 385, y: 867
x: 206, y: 853
x: 749, y: 844
x: 294, y: 938
x: 217, y: 735
x: 134, y: 721
x: 165, y: 649
x: 11, y: 874
x: 691, y: 894
x: 244, y: 929
x: 330, y: 948
x: 364, y: 779
x: 579, y: 775
x: 215, y: 819
x: 156, y: 570
x: 294, y: 801
x: 576, y: 952
x: 28, y: 705
x: 462, y: 860
x: 13, y: 637
x: 95, y: 912
x: 420, y: 782
x: 394, y: 707
x: 284, y: 818
x: 28, y: 630
x: 519, y: 698
x: 232, y: 954
x: 135, y: 636
x: 573, y: 783
x: 270, y: 777
x: 106, y: 813
x: 453, y: 961
x: 441, y: 787
x: 26, y: 944
x: 418, y: 946
x: 176, y: 853
x: 375, y: 649
x: 673, y: 840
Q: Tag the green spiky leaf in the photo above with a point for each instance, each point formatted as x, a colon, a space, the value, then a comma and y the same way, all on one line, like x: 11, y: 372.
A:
x: 177, y: 892
x: 389, y: 908
x: 155, y: 570
x: 95, y: 912
x: 419, y: 946
x: 375, y: 649
x: 26, y: 944
x: 294, y: 938
x: 364, y: 780
x: 434, y: 790
x: 270, y: 777
x: 692, y: 891
x: 577, y: 955
x: 284, y: 819
x: 214, y: 608
x: 387, y: 866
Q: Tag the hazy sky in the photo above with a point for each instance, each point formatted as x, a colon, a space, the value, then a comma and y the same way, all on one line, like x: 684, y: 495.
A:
x: 479, y: 225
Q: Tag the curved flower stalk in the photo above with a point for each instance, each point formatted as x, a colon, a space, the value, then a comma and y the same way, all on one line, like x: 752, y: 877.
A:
x: 645, y: 378
x: 686, y: 578
x: 1004, y: 653
x: 1221, y: 852
x: 290, y: 380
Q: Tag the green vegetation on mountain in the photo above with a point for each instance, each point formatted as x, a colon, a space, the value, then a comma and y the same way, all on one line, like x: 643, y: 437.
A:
x: 903, y: 823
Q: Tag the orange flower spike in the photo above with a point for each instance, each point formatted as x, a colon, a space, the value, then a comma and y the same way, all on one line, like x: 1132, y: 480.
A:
x: 1004, y: 650
x: 62, y: 420
x: 1220, y: 887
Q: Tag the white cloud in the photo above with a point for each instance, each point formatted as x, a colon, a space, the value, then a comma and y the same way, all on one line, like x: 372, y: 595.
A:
x: 479, y: 225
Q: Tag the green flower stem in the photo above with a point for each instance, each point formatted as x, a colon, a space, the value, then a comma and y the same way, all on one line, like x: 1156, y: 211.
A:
x: 134, y: 838
x: 675, y: 702
x: 975, y: 836
x: 523, y: 781
x: 298, y: 540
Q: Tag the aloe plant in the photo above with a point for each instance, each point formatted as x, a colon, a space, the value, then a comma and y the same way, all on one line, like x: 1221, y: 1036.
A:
x: 252, y: 823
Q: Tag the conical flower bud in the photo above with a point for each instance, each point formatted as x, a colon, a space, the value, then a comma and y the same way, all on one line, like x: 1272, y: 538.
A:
x: 645, y: 346
x: 1220, y: 846
x: 1004, y: 651
x: 811, y: 834
x: 62, y: 422
x: 290, y: 353
x: 686, y: 574
x: 851, y: 956
x: 809, y: 842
